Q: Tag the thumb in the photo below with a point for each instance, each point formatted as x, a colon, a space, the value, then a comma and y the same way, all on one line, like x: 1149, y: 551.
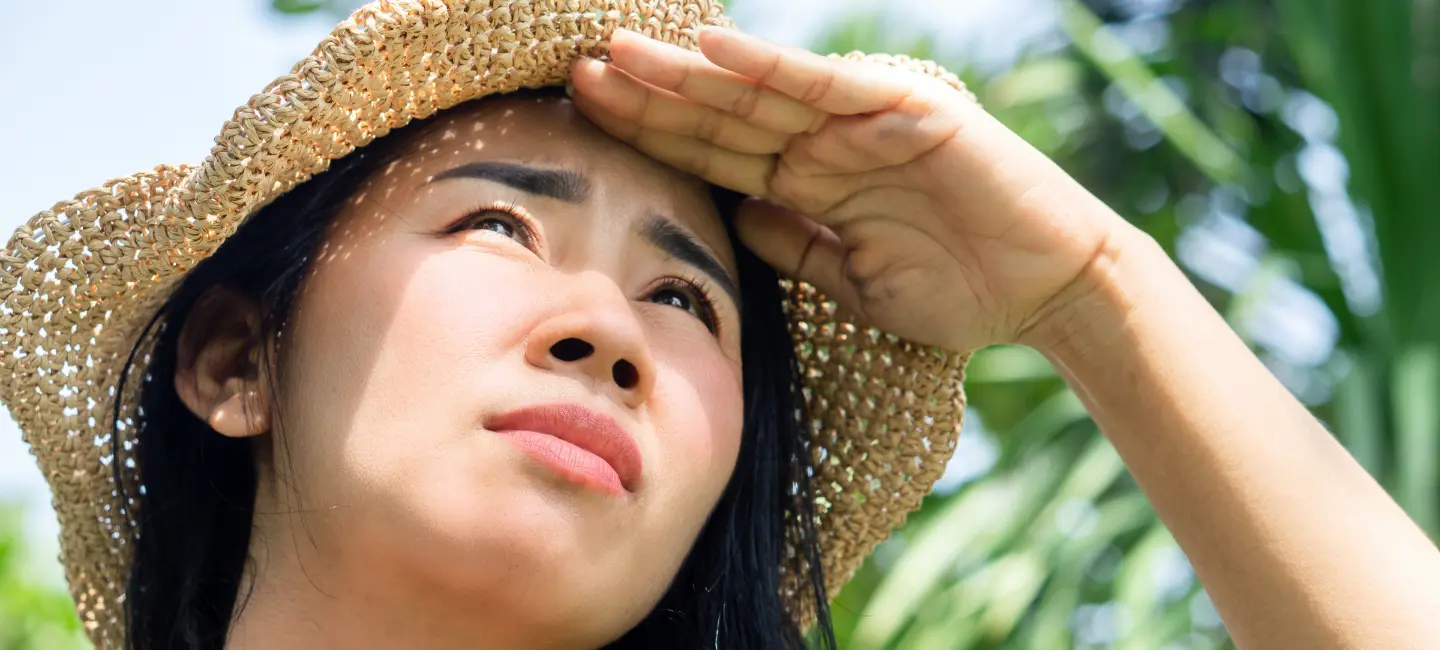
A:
x: 797, y: 247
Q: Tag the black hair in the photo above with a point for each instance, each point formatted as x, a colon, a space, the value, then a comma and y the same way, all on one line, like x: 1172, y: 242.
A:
x: 197, y: 500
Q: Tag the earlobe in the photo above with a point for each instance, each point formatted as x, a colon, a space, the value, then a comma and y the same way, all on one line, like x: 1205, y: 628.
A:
x: 243, y: 413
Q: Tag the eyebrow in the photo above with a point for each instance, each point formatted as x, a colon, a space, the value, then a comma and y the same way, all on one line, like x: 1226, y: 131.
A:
x: 560, y: 184
x: 673, y: 240
x: 573, y: 187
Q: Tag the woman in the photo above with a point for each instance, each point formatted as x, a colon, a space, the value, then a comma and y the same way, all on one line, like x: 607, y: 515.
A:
x: 515, y: 375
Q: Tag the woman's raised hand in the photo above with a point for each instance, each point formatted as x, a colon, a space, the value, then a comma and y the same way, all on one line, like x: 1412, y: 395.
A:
x: 903, y: 200
x: 891, y: 191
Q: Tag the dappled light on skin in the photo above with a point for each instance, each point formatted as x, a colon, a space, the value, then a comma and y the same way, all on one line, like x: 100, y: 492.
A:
x: 447, y: 146
x: 410, y: 334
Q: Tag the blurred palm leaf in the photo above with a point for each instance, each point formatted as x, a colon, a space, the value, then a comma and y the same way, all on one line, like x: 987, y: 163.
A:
x: 1378, y: 65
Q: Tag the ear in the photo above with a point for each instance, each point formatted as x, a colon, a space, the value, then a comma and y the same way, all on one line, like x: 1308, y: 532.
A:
x: 218, y: 370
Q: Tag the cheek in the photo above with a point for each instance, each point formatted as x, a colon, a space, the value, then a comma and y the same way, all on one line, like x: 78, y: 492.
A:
x: 699, y: 415
x: 387, y: 339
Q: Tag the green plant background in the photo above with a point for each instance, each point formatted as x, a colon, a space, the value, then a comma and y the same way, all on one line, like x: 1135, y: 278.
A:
x: 1280, y: 149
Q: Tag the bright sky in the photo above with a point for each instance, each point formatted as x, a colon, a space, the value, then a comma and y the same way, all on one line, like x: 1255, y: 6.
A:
x: 95, y: 89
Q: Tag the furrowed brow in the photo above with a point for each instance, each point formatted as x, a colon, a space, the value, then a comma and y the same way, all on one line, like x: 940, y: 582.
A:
x: 560, y: 184
x: 675, y: 241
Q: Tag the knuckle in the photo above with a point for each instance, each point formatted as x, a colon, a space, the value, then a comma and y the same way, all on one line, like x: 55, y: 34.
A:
x: 710, y: 126
x: 802, y: 192
x: 774, y: 143
x: 701, y: 163
x: 747, y: 102
x: 644, y: 108
x: 802, y: 266
x: 819, y: 87
x: 772, y: 70
x: 818, y: 120
x: 684, y: 78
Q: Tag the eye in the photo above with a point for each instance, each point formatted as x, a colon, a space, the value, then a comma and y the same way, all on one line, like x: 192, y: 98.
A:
x: 673, y: 298
x: 690, y: 296
x: 504, y: 220
x: 497, y: 225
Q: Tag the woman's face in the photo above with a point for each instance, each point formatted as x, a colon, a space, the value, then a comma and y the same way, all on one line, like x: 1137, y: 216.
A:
x: 514, y: 278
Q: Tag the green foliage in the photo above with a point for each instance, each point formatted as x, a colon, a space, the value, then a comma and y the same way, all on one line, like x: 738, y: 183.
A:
x: 1054, y: 546
x: 33, y: 613
x: 337, y: 8
x: 298, y: 6
x: 1378, y: 65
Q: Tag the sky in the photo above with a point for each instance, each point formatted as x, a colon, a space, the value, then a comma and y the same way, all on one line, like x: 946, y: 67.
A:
x: 95, y: 89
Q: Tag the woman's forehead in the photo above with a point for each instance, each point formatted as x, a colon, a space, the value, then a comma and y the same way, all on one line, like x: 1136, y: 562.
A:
x: 548, y: 133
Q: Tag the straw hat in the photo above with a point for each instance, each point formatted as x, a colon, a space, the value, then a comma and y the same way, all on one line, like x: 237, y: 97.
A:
x: 80, y: 280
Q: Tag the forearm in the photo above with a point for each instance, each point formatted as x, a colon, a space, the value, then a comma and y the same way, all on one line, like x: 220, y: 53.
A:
x: 1296, y: 544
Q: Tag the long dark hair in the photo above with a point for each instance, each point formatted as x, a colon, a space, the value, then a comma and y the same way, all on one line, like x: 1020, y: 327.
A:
x: 197, y: 498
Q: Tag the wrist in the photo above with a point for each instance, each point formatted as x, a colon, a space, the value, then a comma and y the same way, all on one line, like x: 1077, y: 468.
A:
x: 1092, y: 312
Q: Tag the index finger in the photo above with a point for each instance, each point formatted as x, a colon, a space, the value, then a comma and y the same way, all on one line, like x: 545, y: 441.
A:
x: 691, y: 75
x: 835, y: 86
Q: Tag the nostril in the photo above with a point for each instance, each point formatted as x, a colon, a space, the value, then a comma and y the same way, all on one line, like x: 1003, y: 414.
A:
x: 625, y: 374
x: 571, y: 349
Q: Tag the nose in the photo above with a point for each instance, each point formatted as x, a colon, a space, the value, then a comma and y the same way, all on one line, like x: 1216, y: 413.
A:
x: 598, y: 339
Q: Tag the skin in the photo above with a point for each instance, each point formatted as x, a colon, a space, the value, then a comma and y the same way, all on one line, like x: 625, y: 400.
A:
x: 387, y: 515
x: 919, y: 212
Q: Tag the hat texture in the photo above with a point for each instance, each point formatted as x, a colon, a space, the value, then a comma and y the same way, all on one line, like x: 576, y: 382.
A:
x: 82, y: 280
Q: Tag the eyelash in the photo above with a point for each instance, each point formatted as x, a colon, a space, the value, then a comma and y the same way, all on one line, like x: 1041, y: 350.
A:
x: 518, y: 217
x: 695, y: 287
x: 700, y: 293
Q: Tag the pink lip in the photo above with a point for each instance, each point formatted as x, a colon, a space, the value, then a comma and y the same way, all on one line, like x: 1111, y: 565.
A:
x: 579, y: 444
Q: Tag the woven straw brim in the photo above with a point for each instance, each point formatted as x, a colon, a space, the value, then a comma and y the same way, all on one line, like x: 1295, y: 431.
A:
x: 81, y: 279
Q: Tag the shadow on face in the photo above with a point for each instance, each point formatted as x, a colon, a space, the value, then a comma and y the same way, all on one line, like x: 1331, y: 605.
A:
x: 512, y: 259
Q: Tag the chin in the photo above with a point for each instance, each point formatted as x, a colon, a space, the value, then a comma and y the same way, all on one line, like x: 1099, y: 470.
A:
x: 491, y: 526
x: 482, y: 525
x: 529, y: 555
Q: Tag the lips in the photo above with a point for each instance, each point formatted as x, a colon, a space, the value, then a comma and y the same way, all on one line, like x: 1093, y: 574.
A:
x: 579, y: 444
